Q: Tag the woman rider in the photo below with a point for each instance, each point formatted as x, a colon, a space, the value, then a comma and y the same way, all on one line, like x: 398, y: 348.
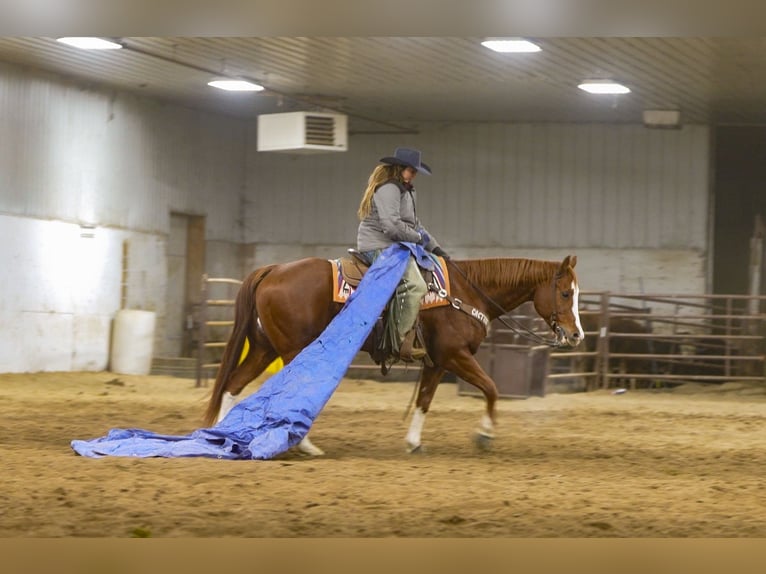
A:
x: 388, y: 215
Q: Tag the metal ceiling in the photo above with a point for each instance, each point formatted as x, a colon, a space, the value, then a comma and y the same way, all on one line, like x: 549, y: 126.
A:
x: 390, y: 84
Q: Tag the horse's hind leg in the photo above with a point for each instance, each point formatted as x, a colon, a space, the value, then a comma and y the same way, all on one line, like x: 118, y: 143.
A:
x: 305, y: 446
x: 308, y: 447
x: 257, y: 359
x: 255, y: 362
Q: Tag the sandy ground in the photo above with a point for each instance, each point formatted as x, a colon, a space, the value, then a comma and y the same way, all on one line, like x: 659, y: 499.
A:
x: 686, y: 463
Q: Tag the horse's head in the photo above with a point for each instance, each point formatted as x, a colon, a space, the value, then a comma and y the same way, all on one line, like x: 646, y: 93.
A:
x: 557, y: 302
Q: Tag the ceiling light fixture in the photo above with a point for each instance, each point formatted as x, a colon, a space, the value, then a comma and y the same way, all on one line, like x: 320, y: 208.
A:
x: 511, y: 45
x: 87, y: 43
x: 603, y: 87
x: 235, y: 85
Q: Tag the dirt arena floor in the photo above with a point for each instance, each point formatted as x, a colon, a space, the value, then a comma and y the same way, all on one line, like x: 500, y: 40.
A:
x: 684, y: 463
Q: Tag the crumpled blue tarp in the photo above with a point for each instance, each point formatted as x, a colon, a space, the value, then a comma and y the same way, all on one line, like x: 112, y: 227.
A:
x: 279, y: 414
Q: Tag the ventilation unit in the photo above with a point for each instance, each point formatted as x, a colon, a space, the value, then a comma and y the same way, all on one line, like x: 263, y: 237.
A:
x: 302, y: 132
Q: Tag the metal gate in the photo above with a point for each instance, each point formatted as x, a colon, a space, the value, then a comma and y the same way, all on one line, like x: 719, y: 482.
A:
x: 634, y: 340
x: 640, y: 340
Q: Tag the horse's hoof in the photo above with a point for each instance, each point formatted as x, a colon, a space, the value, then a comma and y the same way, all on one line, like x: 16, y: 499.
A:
x: 310, y: 450
x: 417, y: 449
x: 483, y: 441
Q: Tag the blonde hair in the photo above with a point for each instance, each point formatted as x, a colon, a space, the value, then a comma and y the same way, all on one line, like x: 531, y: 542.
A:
x: 381, y: 174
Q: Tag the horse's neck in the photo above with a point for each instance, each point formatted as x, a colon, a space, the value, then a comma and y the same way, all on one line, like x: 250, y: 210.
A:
x: 508, y: 282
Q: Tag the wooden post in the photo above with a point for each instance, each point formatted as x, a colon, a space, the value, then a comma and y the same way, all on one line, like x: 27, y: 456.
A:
x: 195, y: 267
x: 201, y: 329
x: 602, y: 344
x: 755, y: 271
x: 756, y: 263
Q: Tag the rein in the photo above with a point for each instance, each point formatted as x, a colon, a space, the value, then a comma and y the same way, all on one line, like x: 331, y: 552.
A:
x: 517, y: 328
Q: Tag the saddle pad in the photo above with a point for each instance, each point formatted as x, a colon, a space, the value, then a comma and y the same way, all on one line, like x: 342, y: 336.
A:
x: 342, y: 290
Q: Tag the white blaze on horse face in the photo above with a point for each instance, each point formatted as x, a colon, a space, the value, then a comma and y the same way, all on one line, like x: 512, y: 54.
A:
x: 576, y: 309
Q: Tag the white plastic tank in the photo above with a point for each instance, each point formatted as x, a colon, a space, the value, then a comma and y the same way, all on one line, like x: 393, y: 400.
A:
x: 132, y: 342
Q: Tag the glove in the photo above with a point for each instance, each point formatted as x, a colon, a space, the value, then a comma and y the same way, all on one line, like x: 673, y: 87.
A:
x: 425, y: 239
x: 440, y: 252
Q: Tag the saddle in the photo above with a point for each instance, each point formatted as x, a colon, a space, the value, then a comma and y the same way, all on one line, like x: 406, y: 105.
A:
x: 352, y: 269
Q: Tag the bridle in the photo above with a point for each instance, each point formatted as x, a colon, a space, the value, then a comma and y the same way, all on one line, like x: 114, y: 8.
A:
x: 553, y: 321
x: 517, y: 327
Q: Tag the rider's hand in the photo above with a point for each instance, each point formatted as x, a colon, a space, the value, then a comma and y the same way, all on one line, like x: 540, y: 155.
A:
x: 440, y: 252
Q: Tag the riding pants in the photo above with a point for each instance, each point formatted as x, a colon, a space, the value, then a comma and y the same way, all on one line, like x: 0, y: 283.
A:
x: 409, y: 293
x: 405, y: 305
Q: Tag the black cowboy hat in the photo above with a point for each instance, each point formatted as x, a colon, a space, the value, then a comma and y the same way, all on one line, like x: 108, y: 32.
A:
x: 408, y: 157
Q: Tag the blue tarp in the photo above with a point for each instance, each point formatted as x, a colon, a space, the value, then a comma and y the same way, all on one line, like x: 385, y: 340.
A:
x: 281, y: 412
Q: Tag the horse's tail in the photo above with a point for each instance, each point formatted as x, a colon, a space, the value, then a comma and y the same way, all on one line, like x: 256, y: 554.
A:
x: 245, y: 313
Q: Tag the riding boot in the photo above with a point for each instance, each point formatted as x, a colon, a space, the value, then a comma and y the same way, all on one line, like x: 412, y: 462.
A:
x: 413, y: 347
x: 408, y: 352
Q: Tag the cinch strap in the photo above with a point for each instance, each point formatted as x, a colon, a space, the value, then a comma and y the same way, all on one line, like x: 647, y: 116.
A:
x: 464, y: 307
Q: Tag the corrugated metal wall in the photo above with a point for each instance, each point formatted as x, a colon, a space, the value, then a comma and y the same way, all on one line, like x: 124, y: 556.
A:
x: 505, y: 185
x: 71, y: 155
x: 85, y: 156
x: 632, y: 201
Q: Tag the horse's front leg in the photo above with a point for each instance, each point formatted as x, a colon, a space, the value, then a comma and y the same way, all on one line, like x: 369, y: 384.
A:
x: 465, y: 366
x: 429, y: 380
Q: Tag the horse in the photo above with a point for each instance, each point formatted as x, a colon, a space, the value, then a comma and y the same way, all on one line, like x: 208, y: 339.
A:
x: 282, y: 308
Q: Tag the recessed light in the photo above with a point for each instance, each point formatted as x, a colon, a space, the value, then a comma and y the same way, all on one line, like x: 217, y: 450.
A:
x: 235, y: 85
x: 87, y: 43
x: 511, y: 45
x: 603, y: 87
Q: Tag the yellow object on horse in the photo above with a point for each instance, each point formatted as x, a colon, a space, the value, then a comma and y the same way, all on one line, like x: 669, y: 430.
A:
x: 275, y: 366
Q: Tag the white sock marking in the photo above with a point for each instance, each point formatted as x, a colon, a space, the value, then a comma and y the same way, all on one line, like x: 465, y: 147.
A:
x: 227, y: 403
x: 416, y: 427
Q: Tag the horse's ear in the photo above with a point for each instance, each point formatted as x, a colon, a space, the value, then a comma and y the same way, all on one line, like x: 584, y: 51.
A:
x: 569, y: 261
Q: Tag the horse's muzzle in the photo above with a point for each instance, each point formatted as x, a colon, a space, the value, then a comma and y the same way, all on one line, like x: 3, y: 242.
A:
x: 567, y: 339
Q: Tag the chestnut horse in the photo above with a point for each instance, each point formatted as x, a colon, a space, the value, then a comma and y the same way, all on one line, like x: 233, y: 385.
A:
x: 282, y: 308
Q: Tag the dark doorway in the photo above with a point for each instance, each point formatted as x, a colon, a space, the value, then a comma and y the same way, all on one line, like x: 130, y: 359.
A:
x: 740, y: 197
x: 186, y: 264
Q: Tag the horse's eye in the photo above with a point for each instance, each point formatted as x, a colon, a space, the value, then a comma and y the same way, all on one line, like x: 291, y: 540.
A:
x: 565, y: 294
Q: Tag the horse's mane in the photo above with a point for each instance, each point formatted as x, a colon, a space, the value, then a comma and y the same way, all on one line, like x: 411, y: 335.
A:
x: 508, y: 272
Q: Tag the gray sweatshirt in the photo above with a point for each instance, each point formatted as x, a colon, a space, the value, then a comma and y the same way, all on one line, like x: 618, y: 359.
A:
x: 392, y: 219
